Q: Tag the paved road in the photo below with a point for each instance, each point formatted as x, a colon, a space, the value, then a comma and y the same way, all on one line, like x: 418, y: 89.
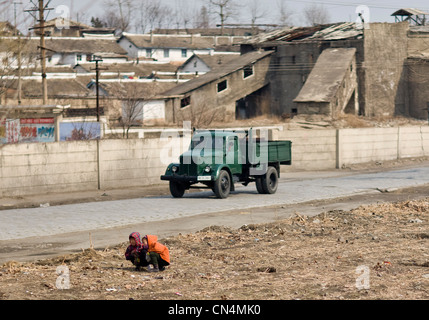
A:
x: 55, y: 220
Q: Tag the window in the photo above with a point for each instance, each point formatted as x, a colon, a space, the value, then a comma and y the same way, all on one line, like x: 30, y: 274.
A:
x: 148, y: 53
x: 89, y: 57
x: 185, y: 102
x: 247, y: 71
x: 221, y: 86
x: 79, y: 57
x: 184, y: 53
x: 166, y: 53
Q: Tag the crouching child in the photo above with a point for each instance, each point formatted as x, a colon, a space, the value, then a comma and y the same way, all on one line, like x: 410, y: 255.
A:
x: 136, y: 252
x: 157, y: 254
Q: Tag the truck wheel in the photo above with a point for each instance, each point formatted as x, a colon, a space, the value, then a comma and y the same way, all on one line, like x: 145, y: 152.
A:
x: 222, y: 185
x: 259, y: 187
x: 177, y: 189
x: 270, y: 181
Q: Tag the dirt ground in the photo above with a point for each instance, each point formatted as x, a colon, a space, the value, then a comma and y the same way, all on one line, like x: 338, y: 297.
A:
x: 371, y: 252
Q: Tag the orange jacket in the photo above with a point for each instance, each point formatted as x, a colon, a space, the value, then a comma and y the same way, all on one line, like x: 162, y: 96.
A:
x: 155, y: 246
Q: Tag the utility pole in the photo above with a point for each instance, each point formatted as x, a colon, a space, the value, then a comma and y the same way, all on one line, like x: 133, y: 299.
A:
x: 43, y: 51
x: 18, y: 34
x: 41, y: 8
x: 97, y: 69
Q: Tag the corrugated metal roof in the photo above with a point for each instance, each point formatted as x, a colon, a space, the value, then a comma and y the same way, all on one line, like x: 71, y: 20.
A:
x: 409, y: 12
x: 335, y: 31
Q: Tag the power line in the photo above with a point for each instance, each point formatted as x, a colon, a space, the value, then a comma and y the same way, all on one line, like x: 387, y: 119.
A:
x: 346, y: 4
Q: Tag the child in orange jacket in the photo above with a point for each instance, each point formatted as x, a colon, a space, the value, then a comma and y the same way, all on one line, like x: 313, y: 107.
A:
x: 157, y: 254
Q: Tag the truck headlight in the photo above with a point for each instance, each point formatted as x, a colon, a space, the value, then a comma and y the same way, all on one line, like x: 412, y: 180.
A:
x: 207, y: 169
x: 174, y: 168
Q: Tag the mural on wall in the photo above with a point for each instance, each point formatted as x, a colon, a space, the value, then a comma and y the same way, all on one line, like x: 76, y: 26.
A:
x: 73, y: 131
x: 37, y: 130
x: 27, y: 130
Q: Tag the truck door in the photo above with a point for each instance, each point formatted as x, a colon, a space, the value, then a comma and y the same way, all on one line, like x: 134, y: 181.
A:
x: 233, y: 155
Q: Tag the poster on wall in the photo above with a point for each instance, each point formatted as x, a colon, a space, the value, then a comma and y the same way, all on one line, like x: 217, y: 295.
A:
x: 3, y: 138
x: 27, y: 130
x: 74, y: 131
x: 37, y: 130
x: 9, y: 131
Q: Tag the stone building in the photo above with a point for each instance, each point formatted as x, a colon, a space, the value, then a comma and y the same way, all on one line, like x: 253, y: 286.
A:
x: 382, y: 51
x: 237, y: 89
x: 331, y: 88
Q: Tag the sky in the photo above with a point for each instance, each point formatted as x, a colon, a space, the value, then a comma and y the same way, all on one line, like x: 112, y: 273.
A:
x: 338, y: 10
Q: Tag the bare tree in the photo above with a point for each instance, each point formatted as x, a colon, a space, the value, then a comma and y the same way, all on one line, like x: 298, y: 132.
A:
x: 152, y: 14
x: 122, y: 11
x: 203, y: 18
x: 111, y: 19
x: 284, y: 14
x: 224, y: 9
x: 201, y: 114
x: 186, y: 13
x: 9, y: 63
x: 133, y: 97
x: 316, y: 14
x: 257, y: 11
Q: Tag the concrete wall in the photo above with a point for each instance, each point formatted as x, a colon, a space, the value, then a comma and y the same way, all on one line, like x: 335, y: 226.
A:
x: 328, y: 149
x: 48, y: 167
x: 418, y: 87
x: 136, y: 162
x: 413, y: 142
x: 385, y: 51
x: 365, y: 145
x: 311, y: 149
x: 417, y: 42
x: 29, y: 169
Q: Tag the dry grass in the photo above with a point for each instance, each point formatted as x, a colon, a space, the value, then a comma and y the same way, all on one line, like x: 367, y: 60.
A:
x: 297, y: 258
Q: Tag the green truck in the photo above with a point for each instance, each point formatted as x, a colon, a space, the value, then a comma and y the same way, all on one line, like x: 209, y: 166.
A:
x: 219, y: 159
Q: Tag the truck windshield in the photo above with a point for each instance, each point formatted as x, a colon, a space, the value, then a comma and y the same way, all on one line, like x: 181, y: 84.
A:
x: 207, y: 142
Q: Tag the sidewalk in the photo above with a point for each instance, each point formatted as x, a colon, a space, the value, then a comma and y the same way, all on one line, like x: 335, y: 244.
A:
x: 55, y: 199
